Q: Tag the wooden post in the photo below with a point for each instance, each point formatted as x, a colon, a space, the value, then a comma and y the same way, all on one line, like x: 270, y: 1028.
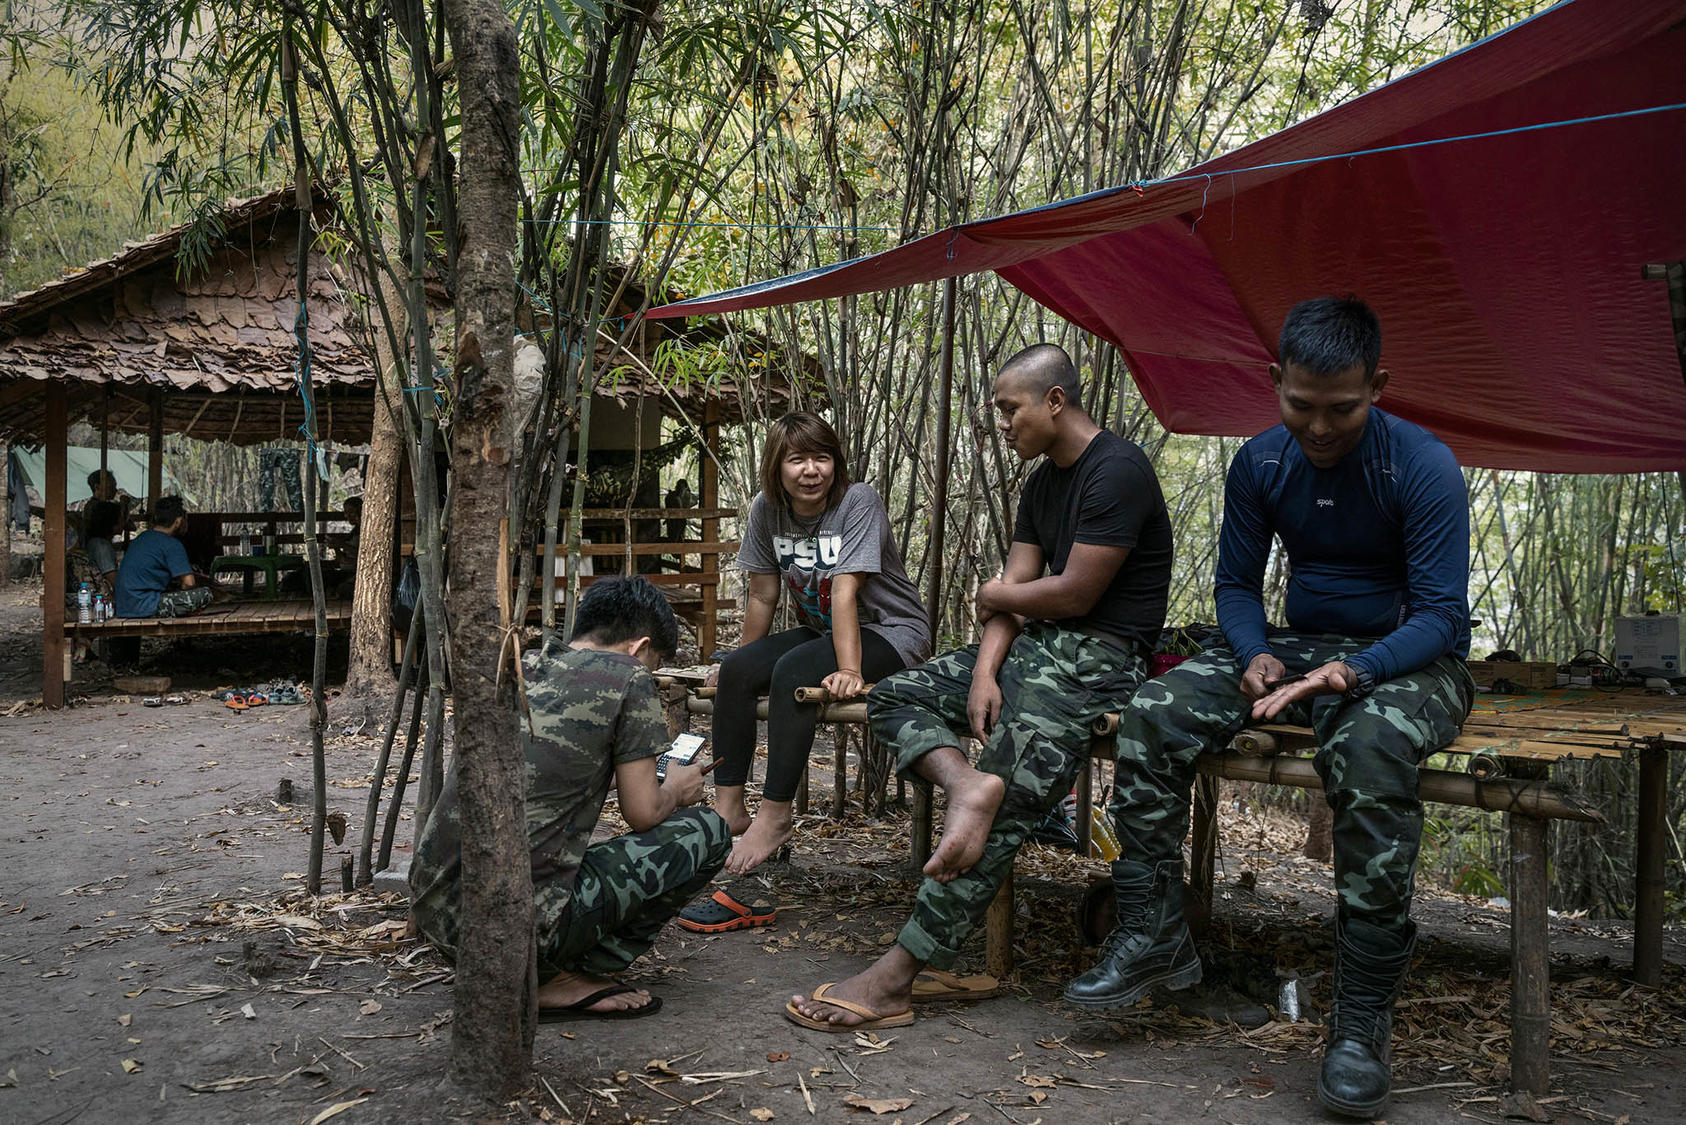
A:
x: 840, y: 769
x: 939, y: 501
x: 998, y: 930
x: 1649, y: 852
x: 709, y: 470
x: 1203, y: 857
x: 921, y: 828
x: 802, y: 790
x: 1530, y: 984
x: 54, y: 645
x: 154, y: 452
x: 1085, y: 815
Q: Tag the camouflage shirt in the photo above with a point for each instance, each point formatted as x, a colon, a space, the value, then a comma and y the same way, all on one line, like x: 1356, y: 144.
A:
x: 591, y: 710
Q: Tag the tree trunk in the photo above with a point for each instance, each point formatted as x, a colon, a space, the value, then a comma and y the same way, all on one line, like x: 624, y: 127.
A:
x: 369, y: 669
x: 492, y: 1034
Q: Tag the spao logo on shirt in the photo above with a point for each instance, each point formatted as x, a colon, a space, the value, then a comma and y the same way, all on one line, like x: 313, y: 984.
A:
x: 808, y: 552
x: 1325, y: 502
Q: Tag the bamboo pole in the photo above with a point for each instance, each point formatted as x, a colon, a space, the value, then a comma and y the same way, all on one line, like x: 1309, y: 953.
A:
x: 854, y: 711
x: 406, y: 673
x: 1523, y: 797
x: 945, y: 439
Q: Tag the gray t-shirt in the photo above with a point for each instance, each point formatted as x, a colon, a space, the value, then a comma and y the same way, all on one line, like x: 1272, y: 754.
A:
x: 853, y: 537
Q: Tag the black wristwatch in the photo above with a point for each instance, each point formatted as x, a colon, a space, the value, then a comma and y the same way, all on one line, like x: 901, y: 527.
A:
x: 1363, y: 682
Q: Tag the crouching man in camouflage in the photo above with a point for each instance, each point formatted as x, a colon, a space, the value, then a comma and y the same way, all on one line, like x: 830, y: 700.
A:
x: 1058, y: 650
x: 596, y: 718
x: 1373, y: 515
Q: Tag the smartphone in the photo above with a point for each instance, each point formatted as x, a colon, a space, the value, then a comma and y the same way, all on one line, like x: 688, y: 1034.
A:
x: 683, y: 752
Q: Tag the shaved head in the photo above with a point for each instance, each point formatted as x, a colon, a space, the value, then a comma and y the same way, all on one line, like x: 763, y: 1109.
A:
x: 1042, y: 367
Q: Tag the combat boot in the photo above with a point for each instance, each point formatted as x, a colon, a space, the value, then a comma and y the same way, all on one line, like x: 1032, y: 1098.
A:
x: 1370, y: 964
x: 1150, y: 944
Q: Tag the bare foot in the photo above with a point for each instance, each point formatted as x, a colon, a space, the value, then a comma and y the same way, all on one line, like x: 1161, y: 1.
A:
x: 566, y: 989
x: 973, y: 797
x: 728, y: 802
x: 881, y: 988
x: 772, y: 829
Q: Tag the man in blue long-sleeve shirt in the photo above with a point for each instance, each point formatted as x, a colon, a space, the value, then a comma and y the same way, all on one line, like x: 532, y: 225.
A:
x: 1373, y: 515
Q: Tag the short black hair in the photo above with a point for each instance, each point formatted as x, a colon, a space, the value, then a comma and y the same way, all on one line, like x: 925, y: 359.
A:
x: 1327, y: 335
x: 618, y: 609
x: 98, y: 475
x: 1044, y: 367
x: 168, y: 510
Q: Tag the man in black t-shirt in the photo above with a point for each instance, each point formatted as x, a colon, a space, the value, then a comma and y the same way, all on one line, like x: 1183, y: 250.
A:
x: 1068, y: 628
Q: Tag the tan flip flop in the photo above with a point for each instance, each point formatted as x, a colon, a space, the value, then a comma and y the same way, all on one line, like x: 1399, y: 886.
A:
x: 870, y: 1020
x: 934, y: 985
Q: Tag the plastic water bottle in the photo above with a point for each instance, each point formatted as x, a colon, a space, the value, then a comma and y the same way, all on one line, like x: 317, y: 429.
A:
x: 245, y: 543
x: 85, y: 605
x: 99, y: 608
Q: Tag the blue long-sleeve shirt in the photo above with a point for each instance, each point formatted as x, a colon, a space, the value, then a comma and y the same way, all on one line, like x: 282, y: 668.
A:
x: 1378, y: 545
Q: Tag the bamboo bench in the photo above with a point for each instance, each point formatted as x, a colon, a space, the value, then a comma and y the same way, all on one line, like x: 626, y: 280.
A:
x: 682, y: 695
x: 1507, y: 762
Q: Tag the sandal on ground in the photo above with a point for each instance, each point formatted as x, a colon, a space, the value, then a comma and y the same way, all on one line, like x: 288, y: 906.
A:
x: 256, y: 699
x: 722, y: 912
x: 235, y: 702
x: 286, y: 695
x: 176, y: 700
x: 152, y: 701
x: 935, y: 985
x: 870, y: 1020
x: 581, y: 1009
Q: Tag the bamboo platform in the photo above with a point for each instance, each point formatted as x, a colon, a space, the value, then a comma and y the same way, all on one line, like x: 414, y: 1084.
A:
x: 247, y: 616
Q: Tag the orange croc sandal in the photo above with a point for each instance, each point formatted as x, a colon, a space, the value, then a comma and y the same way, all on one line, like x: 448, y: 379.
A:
x: 722, y: 913
x: 235, y: 702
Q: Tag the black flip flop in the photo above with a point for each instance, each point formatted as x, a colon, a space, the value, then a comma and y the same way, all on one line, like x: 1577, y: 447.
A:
x: 581, y: 1009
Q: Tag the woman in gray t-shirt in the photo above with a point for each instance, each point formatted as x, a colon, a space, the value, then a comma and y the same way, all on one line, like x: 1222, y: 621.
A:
x: 828, y: 544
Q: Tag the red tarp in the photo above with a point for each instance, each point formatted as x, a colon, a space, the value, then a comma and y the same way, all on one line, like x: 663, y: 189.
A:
x: 1505, y: 269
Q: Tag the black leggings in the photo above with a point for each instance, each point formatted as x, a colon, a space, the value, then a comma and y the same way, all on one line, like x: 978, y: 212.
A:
x: 778, y: 664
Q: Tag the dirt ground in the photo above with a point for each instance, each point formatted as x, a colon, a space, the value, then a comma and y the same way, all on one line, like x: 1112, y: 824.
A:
x: 160, y: 961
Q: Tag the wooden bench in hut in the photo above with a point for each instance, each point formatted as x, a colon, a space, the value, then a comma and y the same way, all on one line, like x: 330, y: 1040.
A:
x: 283, y: 615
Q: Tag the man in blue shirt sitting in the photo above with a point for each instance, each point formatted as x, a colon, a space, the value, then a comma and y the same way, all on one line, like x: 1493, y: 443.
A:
x: 1373, y: 515
x: 154, y: 560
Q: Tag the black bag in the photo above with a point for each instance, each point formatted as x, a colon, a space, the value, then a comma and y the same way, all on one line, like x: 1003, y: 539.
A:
x: 406, y: 595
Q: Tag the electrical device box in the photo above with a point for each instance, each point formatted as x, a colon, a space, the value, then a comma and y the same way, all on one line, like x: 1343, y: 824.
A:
x: 1651, y: 643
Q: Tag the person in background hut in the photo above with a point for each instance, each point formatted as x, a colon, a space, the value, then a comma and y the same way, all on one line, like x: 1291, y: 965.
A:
x: 155, y: 578
x: 1374, y: 517
x: 1068, y: 632
x: 596, y: 719
x: 103, y: 517
x: 829, y: 545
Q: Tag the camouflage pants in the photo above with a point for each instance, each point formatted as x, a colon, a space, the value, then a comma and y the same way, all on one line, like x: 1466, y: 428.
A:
x: 1368, y: 755
x: 625, y: 891
x: 286, y: 463
x: 180, y: 603
x: 1054, y: 682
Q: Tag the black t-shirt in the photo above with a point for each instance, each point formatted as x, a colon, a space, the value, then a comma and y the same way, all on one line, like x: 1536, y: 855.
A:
x: 1109, y: 497
x: 99, y: 519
